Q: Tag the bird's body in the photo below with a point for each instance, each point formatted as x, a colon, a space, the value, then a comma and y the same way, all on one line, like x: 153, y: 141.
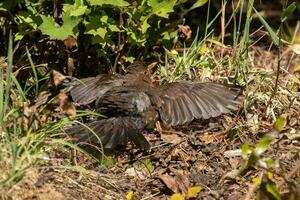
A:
x: 133, y: 103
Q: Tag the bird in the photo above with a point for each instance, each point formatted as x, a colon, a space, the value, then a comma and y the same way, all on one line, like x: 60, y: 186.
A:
x: 132, y: 103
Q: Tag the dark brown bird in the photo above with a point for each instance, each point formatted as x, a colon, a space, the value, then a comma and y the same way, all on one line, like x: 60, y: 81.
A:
x: 133, y: 103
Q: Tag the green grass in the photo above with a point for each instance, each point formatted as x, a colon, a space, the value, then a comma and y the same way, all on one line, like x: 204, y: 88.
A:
x: 24, y: 141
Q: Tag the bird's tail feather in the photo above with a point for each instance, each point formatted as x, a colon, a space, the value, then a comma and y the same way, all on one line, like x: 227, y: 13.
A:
x: 111, y: 132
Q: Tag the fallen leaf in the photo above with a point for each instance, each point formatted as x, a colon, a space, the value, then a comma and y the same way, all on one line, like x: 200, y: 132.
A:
x: 28, y: 112
x: 207, y: 138
x: 42, y: 98
x: 193, y: 191
x: 57, y: 77
x: 130, y: 195
x: 132, y: 172
x: 65, y: 105
x: 181, y: 178
x: 177, y: 196
x: 170, y: 138
x: 170, y: 182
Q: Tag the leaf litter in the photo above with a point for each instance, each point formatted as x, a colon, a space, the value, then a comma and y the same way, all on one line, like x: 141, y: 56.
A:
x: 204, y: 154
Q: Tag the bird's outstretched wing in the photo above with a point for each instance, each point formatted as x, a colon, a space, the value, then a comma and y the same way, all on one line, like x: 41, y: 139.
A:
x: 179, y: 103
x: 89, y: 89
x: 111, y: 132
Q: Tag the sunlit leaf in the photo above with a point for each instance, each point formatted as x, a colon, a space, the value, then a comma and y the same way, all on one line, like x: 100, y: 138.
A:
x: 193, y: 191
x: 145, y: 26
x: 81, y: 10
x: 55, y: 31
x: 162, y: 8
x: 118, y: 3
x: 279, y: 124
x: 246, y: 149
x: 271, y: 188
x: 148, y: 164
x: 257, y: 180
x: 130, y: 195
x: 177, y: 196
x: 263, y: 145
x: 198, y: 3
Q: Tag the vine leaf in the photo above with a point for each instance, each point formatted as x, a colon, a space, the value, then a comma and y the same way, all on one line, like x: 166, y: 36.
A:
x: 55, y: 31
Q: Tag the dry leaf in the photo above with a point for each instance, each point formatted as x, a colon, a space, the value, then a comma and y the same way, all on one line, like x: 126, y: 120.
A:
x: 71, y: 67
x: 208, y: 139
x: 42, y: 98
x: 65, y: 105
x: 170, y: 138
x: 182, y: 180
x: 170, y: 182
x: 28, y: 112
x: 71, y: 44
x: 184, y: 31
x: 57, y: 77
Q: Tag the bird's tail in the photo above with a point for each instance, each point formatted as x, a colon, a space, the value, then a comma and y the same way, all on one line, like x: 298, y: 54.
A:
x: 111, y: 132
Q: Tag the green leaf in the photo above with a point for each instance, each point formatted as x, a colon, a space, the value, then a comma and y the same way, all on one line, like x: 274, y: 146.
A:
x: 288, y: 11
x: 263, y: 145
x: 55, y: 31
x: 162, y: 8
x: 197, y: 4
x: 108, y: 161
x: 118, y: 3
x: 76, y: 9
x: 272, y: 189
x: 246, y: 149
x: 81, y: 10
x: 279, y: 124
x: 145, y: 26
x: 113, y: 28
x: 273, y: 35
x: 134, y: 35
x: 129, y: 59
x: 95, y: 26
x: 147, y: 163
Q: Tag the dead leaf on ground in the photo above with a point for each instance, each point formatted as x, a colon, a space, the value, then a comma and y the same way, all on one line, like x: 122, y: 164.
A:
x: 170, y: 138
x: 65, y: 105
x: 42, y: 98
x: 177, y: 183
x: 182, y: 179
x: 28, y: 112
x: 57, y: 77
x: 207, y: 138
x: 170, y: 182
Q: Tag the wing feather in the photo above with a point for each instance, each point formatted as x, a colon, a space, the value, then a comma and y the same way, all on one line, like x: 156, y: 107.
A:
x: 181, y: 102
